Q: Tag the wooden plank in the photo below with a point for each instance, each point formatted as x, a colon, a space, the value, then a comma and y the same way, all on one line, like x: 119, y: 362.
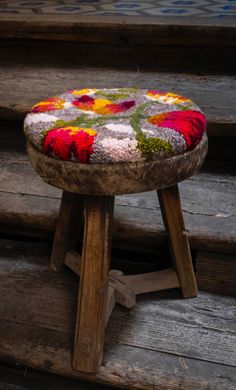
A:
x: 22, y: 272
x: 134, y: 30
x: 19, y: 377
x: 93, y: 288
x: 70, y: 19
x: 44, y: 81
x: 124, y: 366
x: 216, y: 272
x: 192, y: 330
x: 172, y: 215
x: 29, y: 206
x: 164, y: 58
x: 185, y: 347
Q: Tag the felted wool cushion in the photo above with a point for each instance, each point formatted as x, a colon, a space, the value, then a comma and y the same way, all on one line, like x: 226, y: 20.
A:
x: 115, y: 125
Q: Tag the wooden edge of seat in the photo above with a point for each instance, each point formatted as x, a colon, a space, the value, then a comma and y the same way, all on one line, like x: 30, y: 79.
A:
x: 121, y: 178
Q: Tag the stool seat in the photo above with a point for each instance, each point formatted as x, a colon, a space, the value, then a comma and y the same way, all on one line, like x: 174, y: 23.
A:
x: 105, y: 126
x: 116, y: 141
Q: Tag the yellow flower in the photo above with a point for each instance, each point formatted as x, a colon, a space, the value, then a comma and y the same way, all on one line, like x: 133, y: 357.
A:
x: 85, y: 91
x: 166, y: 97
x: 74, y: 130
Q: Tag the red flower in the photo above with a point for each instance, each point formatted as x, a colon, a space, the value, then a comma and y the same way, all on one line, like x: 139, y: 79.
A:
x: 191, y: 124
x: 65, y: 142
x: 120, y: 107
x: 101, y: 106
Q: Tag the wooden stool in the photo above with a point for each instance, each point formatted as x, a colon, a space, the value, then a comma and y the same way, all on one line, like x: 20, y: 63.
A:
x: 88, y: 194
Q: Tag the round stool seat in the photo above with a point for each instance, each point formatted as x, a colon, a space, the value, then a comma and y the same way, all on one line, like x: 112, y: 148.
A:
x: 114, y: 141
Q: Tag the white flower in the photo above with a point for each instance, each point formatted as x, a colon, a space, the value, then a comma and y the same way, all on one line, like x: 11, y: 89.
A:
x: 148, y: 132
x: 163, y: 99
x: 127, y: 129
x: 40, y: 117
x: 67, y: 105
x: 112, y: 150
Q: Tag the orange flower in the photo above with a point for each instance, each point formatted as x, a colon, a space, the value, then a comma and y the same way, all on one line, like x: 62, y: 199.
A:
x: 50, y: 104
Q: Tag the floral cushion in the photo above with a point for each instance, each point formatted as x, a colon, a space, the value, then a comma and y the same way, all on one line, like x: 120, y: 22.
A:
x: 115, y: 125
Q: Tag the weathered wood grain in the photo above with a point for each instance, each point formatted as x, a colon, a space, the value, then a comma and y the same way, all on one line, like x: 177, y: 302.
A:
x: 29, y: 206
x: 114, y: 179
x: 214, y: 94
x: 93, y: 288
x: 216, y: 272
x: 164, y: 342
x: 20, y: 377
x: 132, y: 30
x: 172, y: 215
x: 150, y: 281
x: 124, y: 366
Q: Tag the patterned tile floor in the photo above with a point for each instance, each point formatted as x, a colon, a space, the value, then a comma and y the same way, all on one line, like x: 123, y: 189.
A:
x: 191, y: 8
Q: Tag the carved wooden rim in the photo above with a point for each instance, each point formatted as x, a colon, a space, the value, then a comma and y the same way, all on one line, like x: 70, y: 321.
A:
x: 120, y: 178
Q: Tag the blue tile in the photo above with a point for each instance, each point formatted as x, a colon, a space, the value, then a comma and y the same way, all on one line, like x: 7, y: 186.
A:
x: 127, y: 5
x: 226, y: 16
x: 87, y: 1
x: 68, y: 8
x: 229, y: 8
x: 33, y: 3
x: 179, y: 2
x: 112, y: 13
x: 174, y: 11
x: 209, y: 8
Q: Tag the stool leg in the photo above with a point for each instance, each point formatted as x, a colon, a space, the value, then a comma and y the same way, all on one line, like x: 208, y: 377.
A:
x: 93, y: 289
x: 69, y: 223
x: 174, y: 222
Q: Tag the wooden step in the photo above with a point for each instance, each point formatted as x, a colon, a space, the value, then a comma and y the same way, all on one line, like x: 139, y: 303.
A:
x: 168, y: 43
x: 23, y: 84
x: 20, y: 377
x: 216, y: 272
x: 134, y: 30
x: 164, y: 342
x: 28, y: 206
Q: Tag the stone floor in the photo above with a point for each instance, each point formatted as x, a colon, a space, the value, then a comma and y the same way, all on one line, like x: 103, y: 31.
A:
x: 180, y: 8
